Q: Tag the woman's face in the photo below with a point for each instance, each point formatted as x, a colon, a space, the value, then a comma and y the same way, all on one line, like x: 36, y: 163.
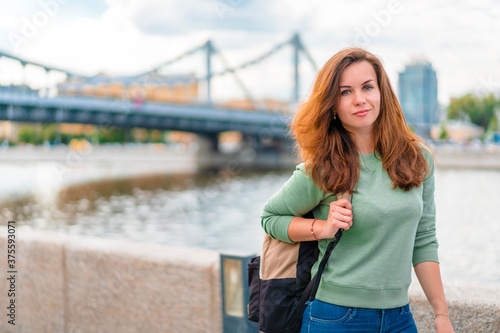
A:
x: 359, y: 102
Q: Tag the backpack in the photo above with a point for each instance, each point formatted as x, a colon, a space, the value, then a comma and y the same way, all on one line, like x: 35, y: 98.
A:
x: 280, y: 283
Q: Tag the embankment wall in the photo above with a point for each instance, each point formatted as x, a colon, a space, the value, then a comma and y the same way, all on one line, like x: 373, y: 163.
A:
x: 76, y: 284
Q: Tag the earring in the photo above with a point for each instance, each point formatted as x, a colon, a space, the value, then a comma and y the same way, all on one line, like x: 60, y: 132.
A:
x: 334, y: 115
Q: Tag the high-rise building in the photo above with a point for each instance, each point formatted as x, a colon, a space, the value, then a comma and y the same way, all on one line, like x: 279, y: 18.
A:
x: 418, y: 96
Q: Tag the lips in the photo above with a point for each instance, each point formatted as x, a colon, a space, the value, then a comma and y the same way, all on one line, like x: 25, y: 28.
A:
x: 362, y: 113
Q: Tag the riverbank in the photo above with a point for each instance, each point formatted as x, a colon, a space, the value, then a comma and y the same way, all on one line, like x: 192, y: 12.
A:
x: 133, y: 153
x: 459, y: 157
x: 190, y: 157
x: 44, y: 170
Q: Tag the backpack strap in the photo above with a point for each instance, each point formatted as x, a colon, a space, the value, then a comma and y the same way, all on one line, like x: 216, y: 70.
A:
x: 309, y: 293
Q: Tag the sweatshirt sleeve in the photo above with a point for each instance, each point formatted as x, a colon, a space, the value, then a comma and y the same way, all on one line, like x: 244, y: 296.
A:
x: 426, y: 245
x: 296, y: 197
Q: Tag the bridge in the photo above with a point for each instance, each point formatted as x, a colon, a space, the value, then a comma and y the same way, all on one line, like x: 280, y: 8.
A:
x: 205, y: 119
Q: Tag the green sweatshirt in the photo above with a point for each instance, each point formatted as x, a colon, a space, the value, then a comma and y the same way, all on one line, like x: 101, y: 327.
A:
x: 371, y: 265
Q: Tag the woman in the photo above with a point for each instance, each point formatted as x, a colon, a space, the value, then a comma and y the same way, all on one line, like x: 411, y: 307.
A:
x: 352, y: 137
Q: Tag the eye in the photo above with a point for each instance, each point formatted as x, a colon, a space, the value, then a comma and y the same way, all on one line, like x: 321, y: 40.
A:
x: 368, y: 87
x: 344, y: 92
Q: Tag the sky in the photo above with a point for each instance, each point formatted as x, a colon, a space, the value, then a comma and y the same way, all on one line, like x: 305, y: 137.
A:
x: 126, y: 37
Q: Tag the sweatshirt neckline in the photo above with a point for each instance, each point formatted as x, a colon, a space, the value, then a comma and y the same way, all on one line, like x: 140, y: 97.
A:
x: 370, y: 157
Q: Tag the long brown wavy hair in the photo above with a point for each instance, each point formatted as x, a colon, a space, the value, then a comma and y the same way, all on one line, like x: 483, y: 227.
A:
x: 330, y: 154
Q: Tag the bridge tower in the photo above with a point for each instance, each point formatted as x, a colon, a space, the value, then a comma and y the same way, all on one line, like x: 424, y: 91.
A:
x: 210, y: 51
x: 298, y: 47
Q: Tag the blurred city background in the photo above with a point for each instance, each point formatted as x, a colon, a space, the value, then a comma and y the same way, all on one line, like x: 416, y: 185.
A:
x: 166, y: 122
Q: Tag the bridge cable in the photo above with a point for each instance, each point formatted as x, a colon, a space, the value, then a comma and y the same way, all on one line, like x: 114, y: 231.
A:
x: 171, y: 61
x: 306, y: 53
x: 254, y: 61
x: 243, y: 87
x: 47, y: 68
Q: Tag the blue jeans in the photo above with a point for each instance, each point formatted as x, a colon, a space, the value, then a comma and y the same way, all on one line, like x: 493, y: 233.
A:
x: 324, y: 317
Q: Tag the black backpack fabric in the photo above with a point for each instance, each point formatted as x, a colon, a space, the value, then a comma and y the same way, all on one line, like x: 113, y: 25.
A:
x: 275, y: 303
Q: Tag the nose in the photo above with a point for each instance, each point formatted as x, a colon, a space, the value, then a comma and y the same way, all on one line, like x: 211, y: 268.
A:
x: 359, y: 98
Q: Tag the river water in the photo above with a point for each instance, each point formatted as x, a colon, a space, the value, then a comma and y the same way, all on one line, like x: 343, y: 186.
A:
x: 221, y: 211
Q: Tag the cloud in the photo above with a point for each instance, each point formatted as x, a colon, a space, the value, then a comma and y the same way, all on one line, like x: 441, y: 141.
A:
x: 176, y: 17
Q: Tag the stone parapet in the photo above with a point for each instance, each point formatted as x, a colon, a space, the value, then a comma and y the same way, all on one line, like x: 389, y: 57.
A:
x: 78, y: 284
x: 472, y: 310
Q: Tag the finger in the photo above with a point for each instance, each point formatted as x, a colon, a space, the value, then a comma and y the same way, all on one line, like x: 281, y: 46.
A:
x: 342, y: 221
x: 342, y: 203
x: 344, y: 225
x: 342, y: 211
x: 337, y: 224
x: 344, y: 218
x: 338, y: 206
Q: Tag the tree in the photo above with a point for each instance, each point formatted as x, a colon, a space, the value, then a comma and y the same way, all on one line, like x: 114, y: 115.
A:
x: 28, y: 133
x: 49, y: 132
x: 155, y: 136
x: 478, y: 109
x: 111, y: 134
x: 493, y: 125
x: 443, y: 133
